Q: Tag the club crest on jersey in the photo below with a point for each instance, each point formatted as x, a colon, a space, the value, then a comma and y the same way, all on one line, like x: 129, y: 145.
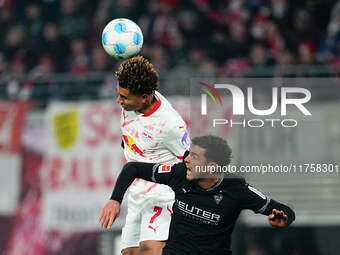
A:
x: 146, y: 136
x: 218, y: 198
x: 164, y: 169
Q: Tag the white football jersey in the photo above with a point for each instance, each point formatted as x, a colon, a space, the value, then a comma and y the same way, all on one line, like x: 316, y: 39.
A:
x: 159, y: 136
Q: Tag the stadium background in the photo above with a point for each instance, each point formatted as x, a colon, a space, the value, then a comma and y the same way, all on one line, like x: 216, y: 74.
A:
x: 53, y: 71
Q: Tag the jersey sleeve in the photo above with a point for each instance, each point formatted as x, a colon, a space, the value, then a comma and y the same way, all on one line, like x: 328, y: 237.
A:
x: 164, y: 174
x: 177, y: 140
x: 170, y: 175
x: 253, y: 199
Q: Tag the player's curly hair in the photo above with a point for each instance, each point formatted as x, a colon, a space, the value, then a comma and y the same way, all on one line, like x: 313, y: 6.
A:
x: 138, y: 75
x: 216, y: 149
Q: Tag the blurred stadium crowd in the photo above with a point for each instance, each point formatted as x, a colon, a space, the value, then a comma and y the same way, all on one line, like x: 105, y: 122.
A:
x: 182, y: 38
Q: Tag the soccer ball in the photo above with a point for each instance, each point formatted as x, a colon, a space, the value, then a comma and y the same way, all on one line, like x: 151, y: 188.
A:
x: 122, y: 38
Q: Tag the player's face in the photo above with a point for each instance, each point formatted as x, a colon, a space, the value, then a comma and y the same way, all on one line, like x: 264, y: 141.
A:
x: 196, y: 163
x: 129, y: 101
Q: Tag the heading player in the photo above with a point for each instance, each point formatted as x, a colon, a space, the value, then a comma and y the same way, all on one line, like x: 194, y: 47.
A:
x: 152, y: 132
x: 207, y: 204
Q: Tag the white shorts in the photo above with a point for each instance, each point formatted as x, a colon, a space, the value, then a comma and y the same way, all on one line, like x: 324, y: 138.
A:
x: 146, y: 219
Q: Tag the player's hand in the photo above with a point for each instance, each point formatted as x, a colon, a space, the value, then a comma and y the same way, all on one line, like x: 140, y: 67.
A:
x: 109, y: 213
x: 277, y: 218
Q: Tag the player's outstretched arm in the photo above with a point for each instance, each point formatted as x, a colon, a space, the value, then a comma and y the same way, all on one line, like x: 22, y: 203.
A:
x: 129, y: 173
x: 279, y: 215
x: 164, y: 174
x: 132, y: 170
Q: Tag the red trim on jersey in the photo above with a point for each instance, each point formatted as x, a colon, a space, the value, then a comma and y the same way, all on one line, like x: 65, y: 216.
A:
x: 155, y: 108
x: 179, y: 157
x: 169, y: 210
x: 127, y: 122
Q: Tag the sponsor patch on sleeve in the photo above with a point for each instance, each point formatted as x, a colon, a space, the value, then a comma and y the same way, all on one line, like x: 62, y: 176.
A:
x: 164, y: 169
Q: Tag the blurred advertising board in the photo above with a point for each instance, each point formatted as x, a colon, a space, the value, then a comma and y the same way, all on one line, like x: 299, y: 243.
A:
x: 81, y: 162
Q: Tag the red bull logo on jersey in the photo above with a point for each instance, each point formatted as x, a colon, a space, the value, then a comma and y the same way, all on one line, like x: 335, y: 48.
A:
x: 130, y: 143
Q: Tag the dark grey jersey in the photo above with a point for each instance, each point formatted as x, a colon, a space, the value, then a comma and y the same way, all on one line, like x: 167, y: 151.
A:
x: 203, y: 219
